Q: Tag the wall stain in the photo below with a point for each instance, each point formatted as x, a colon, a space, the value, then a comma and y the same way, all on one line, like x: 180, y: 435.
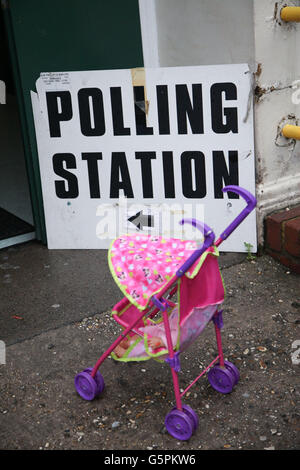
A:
x: 260, y: 92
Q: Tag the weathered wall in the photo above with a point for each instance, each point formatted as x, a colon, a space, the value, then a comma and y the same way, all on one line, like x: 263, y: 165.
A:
x: 277, y: 159
x: 194, y: 32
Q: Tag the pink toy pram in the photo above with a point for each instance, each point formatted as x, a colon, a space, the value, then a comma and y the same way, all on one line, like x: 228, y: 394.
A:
x: 150, y: 271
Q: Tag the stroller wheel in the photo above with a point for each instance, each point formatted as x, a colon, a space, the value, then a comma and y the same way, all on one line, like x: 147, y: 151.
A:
x: 99, y: 380
x: 191, y: 414
x: 221, y: 379
x: 179, y: 425
x: 234, y: 371
x: 86, y: 386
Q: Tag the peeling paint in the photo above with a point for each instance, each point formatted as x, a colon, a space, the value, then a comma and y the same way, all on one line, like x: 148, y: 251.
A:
x: 258, y: 70
x: 275, y: 12
x: 260, y: 91
x: 280, y: 140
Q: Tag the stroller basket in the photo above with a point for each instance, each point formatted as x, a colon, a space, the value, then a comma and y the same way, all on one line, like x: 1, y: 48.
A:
x: 150, y: 271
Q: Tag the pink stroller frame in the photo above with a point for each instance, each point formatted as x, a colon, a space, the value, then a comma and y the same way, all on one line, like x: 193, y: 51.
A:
x: 200, y: 291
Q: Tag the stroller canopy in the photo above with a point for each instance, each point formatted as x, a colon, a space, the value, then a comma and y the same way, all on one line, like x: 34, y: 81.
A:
x: 143, y: 265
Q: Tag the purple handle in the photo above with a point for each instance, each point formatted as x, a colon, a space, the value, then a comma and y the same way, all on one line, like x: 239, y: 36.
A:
x: 209, y: 238
x: 251, y: 203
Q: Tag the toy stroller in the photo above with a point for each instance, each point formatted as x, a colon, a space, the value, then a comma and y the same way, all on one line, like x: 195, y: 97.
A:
x: 149, y: 271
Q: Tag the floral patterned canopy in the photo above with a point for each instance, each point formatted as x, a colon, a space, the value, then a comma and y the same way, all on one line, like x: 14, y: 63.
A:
x: 142, y: 265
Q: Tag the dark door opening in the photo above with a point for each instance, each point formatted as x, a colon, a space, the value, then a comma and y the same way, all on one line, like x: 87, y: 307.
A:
x: 16, y: 219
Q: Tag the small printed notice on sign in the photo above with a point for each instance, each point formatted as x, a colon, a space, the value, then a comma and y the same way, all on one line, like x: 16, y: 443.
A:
x: 55, y: 80
x: 124, y: 151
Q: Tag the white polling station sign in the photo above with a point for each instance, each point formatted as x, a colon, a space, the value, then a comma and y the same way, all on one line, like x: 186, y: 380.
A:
x: 137, y: 150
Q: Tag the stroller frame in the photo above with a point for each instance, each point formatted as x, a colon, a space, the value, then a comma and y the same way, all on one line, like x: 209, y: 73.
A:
x: 182, y: 421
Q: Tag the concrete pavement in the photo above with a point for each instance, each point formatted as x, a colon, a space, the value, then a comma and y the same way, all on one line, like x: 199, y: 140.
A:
x: 55, y: 322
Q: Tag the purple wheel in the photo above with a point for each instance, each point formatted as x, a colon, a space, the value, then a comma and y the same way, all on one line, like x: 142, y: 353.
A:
x: 99, y: 380
x: 221, y: 379
x: 85, y: 385
x: 179, y: 425
x: 191, y: 414
x: 234, y: 371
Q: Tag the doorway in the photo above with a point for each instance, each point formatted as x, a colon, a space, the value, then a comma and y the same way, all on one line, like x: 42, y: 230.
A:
x: 16, y: 218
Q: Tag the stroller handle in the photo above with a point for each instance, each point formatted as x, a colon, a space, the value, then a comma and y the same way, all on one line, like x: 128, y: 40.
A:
x: 209, y: 238
x: 251, y: 203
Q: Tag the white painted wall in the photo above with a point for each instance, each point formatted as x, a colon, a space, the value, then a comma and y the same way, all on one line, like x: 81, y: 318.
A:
x: 204, y: 32
x: 277, y: 159
x: 198, y: 32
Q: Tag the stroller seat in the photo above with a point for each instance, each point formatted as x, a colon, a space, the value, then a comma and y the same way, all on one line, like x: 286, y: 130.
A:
x: 144, y: 267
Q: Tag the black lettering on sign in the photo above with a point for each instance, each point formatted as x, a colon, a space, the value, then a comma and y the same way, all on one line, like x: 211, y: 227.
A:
x: 223, y: 174
x: 163, y: 109
x: 193, y: 110
x: 140, y: 112
x: 119, y: 168
x: 168, y: 170
x: 146, y: 168
x: 59, y: 107
x: 217, y: 111
x: 91, y: 111
x: 63, y: 191
x: 196, y: 159
x: 92, y: 164
x: 117, y: 112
